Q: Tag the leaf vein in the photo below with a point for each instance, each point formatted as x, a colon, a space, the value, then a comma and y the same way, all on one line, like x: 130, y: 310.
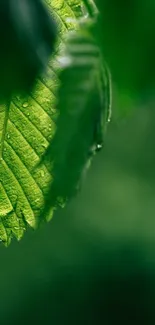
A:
x: 22, y: 162
x: 19, y: 185
x: 22, y: 113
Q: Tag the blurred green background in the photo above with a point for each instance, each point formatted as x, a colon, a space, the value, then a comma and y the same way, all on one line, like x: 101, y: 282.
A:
x: 94, y: 263
x: 127, y: 30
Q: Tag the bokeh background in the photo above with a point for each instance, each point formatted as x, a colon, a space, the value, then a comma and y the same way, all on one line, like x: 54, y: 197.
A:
x: 94, y: 263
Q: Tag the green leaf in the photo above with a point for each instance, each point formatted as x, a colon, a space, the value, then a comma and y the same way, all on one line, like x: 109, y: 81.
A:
x: 85, y: 108
x: 27, y: 125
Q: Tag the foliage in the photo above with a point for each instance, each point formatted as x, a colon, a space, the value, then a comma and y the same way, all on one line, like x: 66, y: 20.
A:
x: 50, y: 132
x: 85, y: 107
x: 71, y: 100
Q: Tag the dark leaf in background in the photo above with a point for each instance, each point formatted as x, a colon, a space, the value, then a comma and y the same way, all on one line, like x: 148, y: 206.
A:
x: 27, y: 35
x: 84, y: 104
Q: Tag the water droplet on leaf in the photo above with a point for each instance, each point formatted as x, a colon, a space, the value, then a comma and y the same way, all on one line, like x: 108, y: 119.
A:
x: 44, y: 145
x: 42, y: 173
x: 37, y: 200
x: 99, y: 146
x: 25, y: 104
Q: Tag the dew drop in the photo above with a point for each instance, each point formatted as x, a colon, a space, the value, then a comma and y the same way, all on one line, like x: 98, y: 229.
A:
x: 25, y: 104
x: 8, y: 136
x: 42, y: 173
x: 44, y: 145
x: 37, y: 200
x: 99, y: 146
